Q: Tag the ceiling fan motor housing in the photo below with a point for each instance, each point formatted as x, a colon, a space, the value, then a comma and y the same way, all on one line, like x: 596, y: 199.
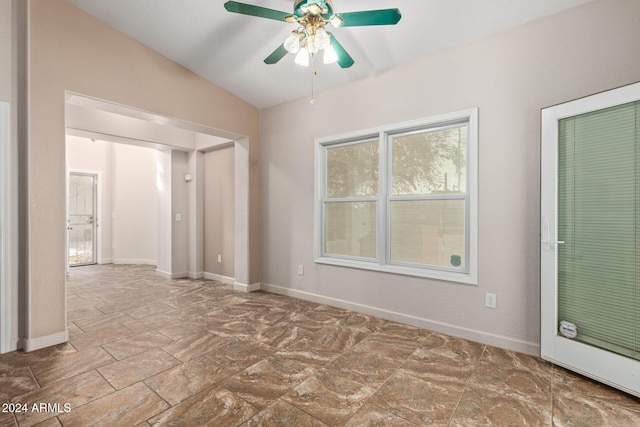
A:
x: 302, y: 7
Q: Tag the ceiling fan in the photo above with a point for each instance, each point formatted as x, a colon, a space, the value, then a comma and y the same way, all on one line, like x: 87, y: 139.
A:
x: 311, y: 35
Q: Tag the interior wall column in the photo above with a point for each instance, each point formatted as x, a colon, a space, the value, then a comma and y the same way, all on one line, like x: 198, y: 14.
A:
x: 196, y: 215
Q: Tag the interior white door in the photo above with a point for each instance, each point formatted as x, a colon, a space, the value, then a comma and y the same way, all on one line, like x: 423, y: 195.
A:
x: 583, y: 211
x: 82, y: 224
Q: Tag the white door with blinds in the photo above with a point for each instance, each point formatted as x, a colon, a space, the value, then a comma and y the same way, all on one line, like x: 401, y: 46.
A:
x: 590, y: 237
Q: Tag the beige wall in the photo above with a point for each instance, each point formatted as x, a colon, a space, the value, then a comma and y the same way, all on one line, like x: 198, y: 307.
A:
x: 135, y: 205
x: 510, y: 77
x: 5, y: 50
x: 70, y: 50
x: 12, y: 90
x: 219, y: 212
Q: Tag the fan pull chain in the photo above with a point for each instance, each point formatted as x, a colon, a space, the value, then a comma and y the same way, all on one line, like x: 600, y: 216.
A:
x: 313, y: 75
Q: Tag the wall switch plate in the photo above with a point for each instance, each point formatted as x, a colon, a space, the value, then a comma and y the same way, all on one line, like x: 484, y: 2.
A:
x: 219, y: 258
x: 301, y: 270
x: 178, y: 217
x: 490, y: 300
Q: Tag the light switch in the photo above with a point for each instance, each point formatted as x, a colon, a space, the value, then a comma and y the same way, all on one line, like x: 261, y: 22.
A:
x: 178, y: 217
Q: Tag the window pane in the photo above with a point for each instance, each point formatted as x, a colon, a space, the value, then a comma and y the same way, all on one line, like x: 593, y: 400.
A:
x: 352, y: 170
x: 428, y: 232
x: 430, y: 162
x: 350, y: 229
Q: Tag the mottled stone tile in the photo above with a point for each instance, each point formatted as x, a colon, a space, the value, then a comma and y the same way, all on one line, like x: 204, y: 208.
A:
x: 69, y: 365
x: 20, y: 359
x: 371, y: 369
x: 7, y: 420
x: 99, y: 337
x: 123, y: 303
x: 387, y: 345
x: 362, y: 322
x: 582, y: 410
x: 187, y: 379
x: 148, y: 310
x: 136, y: 344
x: 262, y: 383
x: 406, y: 331
x: 15, y: 382
x: 164, y: 318
x: 449, y: 364
x: 512, y: 374
x: 569, y: 383
x: 311, y: 353
x: 181, y: 330
x: 282, y: 335
x: 338, y: 338
x: 195, y: 345
x: 240, y: 353
x: 128, y: 407
x: 311, y: 320
x: 95, y: 323
x: 334, y: 312
x: 75, y: 392
x: 479, y: 408
x: 281, y: 414
x: 228, y: 300
x: 332, y: 400
x: 83, y: 313
x: 137, y: 368
x: 370, y: 416
x: 416, y: 400
x: 51, y: 422
x: 214, y: 407
x: 139, y: 326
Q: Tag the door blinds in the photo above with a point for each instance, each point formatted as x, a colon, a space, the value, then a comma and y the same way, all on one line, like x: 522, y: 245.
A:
x: 599, y: 221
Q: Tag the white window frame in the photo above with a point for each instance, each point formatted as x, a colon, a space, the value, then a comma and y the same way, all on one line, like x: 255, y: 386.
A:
x: 384, y: 135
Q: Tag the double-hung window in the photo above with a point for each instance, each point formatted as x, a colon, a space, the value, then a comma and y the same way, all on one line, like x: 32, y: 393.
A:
x: 401, y: 199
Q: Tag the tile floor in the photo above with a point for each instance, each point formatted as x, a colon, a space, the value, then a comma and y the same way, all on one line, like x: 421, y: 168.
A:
x: 148, y: 351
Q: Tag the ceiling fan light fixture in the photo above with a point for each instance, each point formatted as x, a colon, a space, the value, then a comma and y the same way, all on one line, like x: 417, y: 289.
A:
x: 330, y: 55
x: 302, y: 58
x: 336, y: 20
x: 322, y: 39
x: 311, y: 45
x: 292, y: 43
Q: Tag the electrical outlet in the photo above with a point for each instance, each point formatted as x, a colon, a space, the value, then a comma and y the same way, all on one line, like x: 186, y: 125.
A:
x: 219, y: 258
x: 490, y: 300
x: 301, y: 270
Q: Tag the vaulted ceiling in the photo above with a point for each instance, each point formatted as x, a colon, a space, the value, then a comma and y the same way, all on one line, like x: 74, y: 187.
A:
x: 228, y: 49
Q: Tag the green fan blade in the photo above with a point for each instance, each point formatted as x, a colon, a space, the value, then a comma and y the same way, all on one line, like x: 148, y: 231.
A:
x: 277, y: 55
x: 344, y: 59
x: 261, y: 12
x: 370, y: 17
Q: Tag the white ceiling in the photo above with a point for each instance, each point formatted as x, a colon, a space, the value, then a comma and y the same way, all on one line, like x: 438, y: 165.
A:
x: 228, y: 49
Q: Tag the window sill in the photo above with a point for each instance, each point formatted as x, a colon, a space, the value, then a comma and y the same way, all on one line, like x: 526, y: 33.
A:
x: 449, y: 276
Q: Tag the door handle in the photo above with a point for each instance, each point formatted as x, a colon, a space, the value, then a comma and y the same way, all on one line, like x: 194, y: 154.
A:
x: 546, y: 234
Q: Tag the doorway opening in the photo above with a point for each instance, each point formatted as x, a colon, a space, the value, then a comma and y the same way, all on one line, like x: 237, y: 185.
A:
x: 180, y: 148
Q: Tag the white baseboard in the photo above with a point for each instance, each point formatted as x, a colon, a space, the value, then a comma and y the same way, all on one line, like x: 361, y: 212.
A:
x: 136, y: 261
x: 31, y: 344
x: 167, y: 275
x: 220, y: 278
x: 247, y: 288
x: 495, y: 340
x: 105, y: 261
x: 192, y: 275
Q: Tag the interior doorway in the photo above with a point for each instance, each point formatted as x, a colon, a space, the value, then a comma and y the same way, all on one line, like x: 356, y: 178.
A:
x: 82, y: 221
